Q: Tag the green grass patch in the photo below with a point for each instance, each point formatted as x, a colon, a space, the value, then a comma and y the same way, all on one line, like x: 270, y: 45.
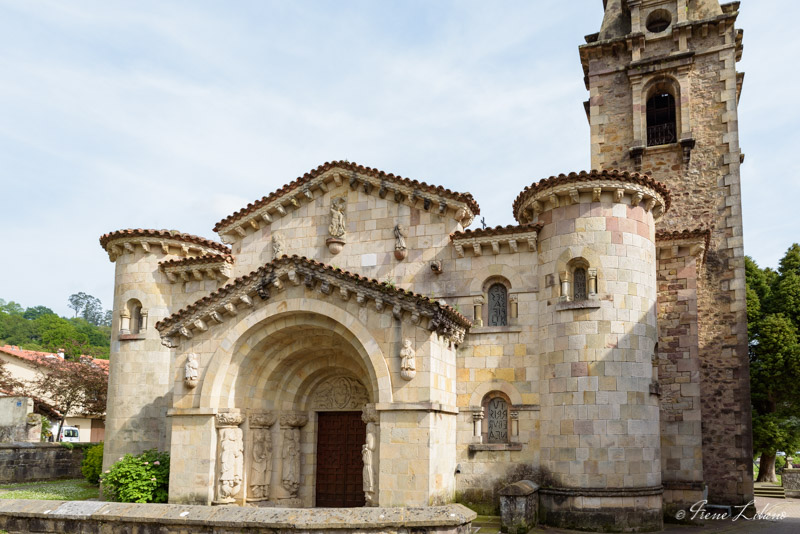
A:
x: 56, y: 490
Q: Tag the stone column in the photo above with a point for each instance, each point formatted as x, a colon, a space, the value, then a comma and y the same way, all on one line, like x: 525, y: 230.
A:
x: 124, y: 322
x: 592, y: 281
x: 368, y: 454
x: 260, y: 455
x: 477, y: 310
x: 290, y: 453
x: 230, y: 458
x: 477, y: 418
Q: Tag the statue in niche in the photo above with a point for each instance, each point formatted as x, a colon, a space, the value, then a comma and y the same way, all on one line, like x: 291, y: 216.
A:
x: 367, y: 473
x: 231, y: 463
x: 291, y: 460
x: 338, y: 224
x: 260, y: 468
x: 190, y: 371
x: 408, y: 364
x: 278, y: 246
x: 400, y: 234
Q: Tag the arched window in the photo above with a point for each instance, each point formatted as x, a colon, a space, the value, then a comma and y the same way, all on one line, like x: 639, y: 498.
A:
x: 133, y: 318
x: 136, y: 319
x: 579, y: 284
x: 497, y: 420
x: 661, y: 123
x: 498, y: 305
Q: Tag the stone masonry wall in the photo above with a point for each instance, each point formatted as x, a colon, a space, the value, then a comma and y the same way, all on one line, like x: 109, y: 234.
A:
x: 28, y: 462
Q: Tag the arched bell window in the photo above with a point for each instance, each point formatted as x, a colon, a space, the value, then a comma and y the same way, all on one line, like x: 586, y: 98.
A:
x: 498, y: 305
x: 661, y: 119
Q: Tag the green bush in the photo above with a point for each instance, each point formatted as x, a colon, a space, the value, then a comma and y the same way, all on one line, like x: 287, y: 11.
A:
x: 142, y: 478
x: 92, y: 464
x: 780, y: 463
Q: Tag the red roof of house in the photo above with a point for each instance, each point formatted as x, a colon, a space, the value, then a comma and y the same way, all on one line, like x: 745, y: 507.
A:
x: 35, y: 356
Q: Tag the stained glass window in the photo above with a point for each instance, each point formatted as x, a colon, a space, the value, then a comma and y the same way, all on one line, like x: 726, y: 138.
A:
x: 579, y: 280
x: 498, y: 420
x: 498, y: 305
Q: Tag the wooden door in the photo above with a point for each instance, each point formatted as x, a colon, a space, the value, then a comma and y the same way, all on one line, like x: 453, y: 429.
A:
x: 340, y: 436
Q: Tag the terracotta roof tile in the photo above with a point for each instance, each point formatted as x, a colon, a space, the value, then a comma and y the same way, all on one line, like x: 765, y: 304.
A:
x: 244, y: 280
x: 34, y: 356
x: 497, y: 230
x: 622, y: 176
x: 163, y: 234
x: 348, y: 166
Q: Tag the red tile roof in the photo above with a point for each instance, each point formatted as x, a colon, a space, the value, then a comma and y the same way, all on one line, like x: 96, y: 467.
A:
x: 584, y: 176
x: 354, y: 167
x: 163, y: 234
x: 34, y: 356
x: 497, y: 230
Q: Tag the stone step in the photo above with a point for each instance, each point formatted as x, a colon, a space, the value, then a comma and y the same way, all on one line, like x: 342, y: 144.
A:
x: 775, y: 492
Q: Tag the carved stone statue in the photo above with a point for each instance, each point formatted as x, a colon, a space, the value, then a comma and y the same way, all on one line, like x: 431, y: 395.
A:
x: 278, y: 246
x: 337, y: 228
x: 190, y: 373
x: 291, y: 423
x: 400, y: 233
x: 369, y: 416
x: 408, y: 364
x: 260, y: 468
x: 231, y: 463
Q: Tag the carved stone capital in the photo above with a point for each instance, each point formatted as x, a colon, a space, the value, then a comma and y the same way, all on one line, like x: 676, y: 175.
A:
x: 370, y: 415
x: 229, y: 419
x: 293, y: 419
x: 262, y: 420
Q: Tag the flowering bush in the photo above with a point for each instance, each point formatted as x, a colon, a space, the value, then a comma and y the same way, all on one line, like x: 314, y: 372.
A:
x: 92, y: 464
x: 142, y: 478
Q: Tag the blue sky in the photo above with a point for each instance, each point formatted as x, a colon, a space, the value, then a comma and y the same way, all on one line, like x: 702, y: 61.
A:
x: 176, y: 114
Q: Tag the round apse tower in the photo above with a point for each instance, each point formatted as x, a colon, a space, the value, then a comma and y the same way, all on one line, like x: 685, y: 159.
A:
x: 600, y: 442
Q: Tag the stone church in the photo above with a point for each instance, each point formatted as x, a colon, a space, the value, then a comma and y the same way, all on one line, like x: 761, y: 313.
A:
x: 350, y: 342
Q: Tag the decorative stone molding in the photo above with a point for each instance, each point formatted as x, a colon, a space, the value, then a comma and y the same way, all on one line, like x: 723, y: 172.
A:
x: 566, y: 189
x: 190, y: 371
x: 340, y: 393
x: 696, y: 241
x: 461, y: 206
x: 209, y: 266
x: 224, y: 302
x: 229, y: 419
x: 499, y: 240
x: 261, y: 420
x: 167, y: 241
x: 408, y: 364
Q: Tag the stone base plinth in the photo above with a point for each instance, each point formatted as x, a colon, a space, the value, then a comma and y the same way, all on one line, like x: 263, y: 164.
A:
x: 602, y: 510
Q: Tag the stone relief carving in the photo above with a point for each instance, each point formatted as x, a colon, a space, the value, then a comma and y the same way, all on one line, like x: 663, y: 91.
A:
x: 291, y: 423
x: 231, y: 458
x: 190, y: 371
x: 278, y: 245
x: 340, y: 393
x: 400, y: 234
x: 338, y: 225
x: 408, y: 364
x: 370, y: 416
x: 261, y: 466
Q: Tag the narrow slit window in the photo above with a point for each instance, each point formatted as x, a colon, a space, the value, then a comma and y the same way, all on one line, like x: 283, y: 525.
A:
x: 661, y: 127
x: 498, y: 305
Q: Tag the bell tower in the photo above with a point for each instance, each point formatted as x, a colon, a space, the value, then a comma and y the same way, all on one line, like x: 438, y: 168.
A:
x: 663, y: 98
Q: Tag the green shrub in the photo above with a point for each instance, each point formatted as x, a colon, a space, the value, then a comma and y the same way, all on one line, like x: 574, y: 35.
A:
x: 142, y: 478
x: 780, y: 463
x: 92, y: 464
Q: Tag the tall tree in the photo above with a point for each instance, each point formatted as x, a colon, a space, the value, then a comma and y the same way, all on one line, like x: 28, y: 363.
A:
x: 773, y: 310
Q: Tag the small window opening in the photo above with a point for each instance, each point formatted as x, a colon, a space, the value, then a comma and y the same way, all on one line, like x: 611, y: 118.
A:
x: 136, y: 319
x: 579, y: 284
x: 658, y: 21
x: 661, y: 128
x: 498, y: 305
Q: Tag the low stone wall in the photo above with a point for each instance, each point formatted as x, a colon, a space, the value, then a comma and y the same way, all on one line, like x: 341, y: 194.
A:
x: 29, y: 462
x: 88, y: 517
x: 791, y: 483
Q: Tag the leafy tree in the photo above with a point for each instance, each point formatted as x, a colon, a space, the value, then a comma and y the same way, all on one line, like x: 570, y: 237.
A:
x: 8, y: 383
x: 773, y: 312
x: 72, y: 386
x: 88, y: 307
x: 36, y: 312
x: 11, y: 308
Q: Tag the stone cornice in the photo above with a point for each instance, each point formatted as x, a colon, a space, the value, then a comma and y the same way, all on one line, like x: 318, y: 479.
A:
x: 461, y: 206
x: 126, y: 241
x: 564, y: 190
x: 697, y: 241
x: 209, y: 266
x: 247, y: 291
x: 510, y: 236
